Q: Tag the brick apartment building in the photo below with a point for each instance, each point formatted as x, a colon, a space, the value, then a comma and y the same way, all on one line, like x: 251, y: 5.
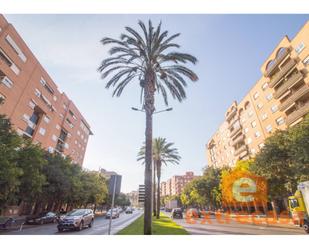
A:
x: 34, y: 104
x: 279, y: 99
x: 176, y: 184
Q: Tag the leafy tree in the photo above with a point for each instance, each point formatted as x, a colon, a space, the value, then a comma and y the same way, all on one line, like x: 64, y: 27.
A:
x: 122, y: 200
x: 163, y: 154
x: 284, y: 160
x: 147, y: 58
x: 30, y: 161
x: 10, y: 143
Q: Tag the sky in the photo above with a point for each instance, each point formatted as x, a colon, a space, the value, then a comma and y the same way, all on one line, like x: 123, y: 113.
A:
x: 230, y: 50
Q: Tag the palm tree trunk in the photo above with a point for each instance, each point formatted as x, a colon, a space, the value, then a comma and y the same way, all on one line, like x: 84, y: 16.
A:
x: 158, y: 198
x: 148, y: 175
x: 154, y: 206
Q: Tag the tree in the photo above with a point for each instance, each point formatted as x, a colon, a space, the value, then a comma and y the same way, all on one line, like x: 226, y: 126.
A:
x: 147, y: 57
x: 10, y: 143
x: 122, y: 200
x: 284, y: 160
x: 31, y: 161
x: 163, y: 154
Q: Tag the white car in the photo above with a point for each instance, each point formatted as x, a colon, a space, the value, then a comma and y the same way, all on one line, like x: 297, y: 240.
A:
x: 115, y: 213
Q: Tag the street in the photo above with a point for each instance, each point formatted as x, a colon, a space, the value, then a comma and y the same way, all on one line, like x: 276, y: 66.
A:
x: 235, y: 228
x: 100, y: 227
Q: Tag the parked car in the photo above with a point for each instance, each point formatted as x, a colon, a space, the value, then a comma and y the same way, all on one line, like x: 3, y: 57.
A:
x: 114, y: 214
x: 42, y: 218
x: 76, y: 220
x: 129, y: 210
x: 6, y: 222
x: 193, y: 212
x: 177, y: 213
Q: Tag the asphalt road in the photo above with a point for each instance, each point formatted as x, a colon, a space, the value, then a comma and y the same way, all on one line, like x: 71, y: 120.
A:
x: 234, y: 227
x: 100, y: 227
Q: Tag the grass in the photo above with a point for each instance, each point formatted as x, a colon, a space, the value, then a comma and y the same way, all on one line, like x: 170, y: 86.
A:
x: 162, y: 226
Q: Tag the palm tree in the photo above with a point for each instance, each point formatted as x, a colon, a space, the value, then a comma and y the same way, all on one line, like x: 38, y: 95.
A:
x: 163, y: 154
x: 146, y: 58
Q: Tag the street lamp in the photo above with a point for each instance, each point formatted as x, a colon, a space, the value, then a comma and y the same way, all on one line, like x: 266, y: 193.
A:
x: 141, y: 110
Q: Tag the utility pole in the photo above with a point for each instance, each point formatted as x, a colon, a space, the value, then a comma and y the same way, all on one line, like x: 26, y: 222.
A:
x: 112, y: 207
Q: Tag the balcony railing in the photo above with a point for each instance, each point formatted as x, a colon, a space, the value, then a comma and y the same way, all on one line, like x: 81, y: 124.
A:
x: 237, y: 140
x: 240, y: 150
x: 295, y: 96
x: 277, y: 61
x: 302, y: 111
x: 235, y: 131
x: 231, y: 114
x: 286, y: 68
x: 287, y: 84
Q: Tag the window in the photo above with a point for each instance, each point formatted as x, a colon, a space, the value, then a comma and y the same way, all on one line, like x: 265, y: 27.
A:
x: 306, y: 60
x: 29, y: 131
x: 31, y: 104
x: 265, y: 86
x: 280, y: 121
x: 300, y: 47
x: 250, y: 113
x: 57, y: 127
x: 256, y: 95
x: 17, y: 50
x: 257, y: 134
x: 246, y: 130
x: 264, y: 116
x: 78, y: 133
x: 253, y: 124
x: 54, y: 138
x: 42, y: 131
x: 37, y: 93
x: 259, y: 105
x: 46, y: 119
x: 249, y: 141
x: 6, y: 59
x: 55, y: 98
x: 69, y: 122
x: 2, y: 97
x: 46, y: 86
x: 269, y: 97
x: 6, y: 81
x: 72, y: 114
x: 274, y: 108
x: 269, y: 128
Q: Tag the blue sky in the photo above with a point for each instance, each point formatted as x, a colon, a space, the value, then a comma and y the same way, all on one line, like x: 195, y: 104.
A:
x: 230, y: 50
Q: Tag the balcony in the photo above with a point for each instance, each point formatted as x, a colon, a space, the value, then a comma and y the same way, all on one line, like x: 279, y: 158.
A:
x: 231, y: 114
x: 294, y: 97
x: 287, y: 84
x: 294, y: 116
x: 235, y: 131
x: 277, y: 61
x: 275, y: 79
x: 240, y: 150
x: 238, y: 139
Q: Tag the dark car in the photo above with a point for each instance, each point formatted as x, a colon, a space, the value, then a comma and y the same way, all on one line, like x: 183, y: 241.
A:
x: 6, y: 222
x: 129, y: 210
x: 76, y: 220
x: 42, y: 218
x: 177, y: 213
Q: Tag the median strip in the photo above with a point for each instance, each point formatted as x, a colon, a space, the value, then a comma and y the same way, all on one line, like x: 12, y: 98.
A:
x: 162, y: 226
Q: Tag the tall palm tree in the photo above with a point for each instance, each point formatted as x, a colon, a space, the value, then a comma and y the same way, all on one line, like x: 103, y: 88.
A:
x: 163, y: 153
x: 146, y: 57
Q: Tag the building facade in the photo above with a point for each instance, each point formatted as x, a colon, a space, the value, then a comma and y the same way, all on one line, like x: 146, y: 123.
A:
x: 279, y: 99
x: 32, y: 101
x: 176, y: 184
x: 133, y: 197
